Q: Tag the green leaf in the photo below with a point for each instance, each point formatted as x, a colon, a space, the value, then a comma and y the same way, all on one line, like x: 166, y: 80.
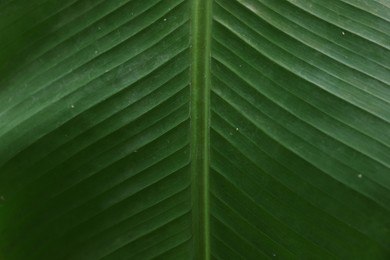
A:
x: 194, y: 129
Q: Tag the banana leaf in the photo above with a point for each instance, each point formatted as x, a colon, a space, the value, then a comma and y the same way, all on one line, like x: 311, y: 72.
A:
x: 194, y: 129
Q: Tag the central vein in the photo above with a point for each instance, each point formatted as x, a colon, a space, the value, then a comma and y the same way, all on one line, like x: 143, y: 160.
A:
x: 200, y: 115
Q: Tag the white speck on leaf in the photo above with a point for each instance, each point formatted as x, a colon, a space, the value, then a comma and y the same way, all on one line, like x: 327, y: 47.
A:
x: 165, y: 19
x: 360, y: 176
x: 343, y: 33
x: 273, y: 255
x: 237, y: 129
x: 72, y: 106
x: 96, y: 51
x: 99, y: 28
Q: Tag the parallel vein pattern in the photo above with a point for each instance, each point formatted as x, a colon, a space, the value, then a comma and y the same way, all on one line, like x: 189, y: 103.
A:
x: 300, y: 131
x: 194, y: 129
x: 94, y: 139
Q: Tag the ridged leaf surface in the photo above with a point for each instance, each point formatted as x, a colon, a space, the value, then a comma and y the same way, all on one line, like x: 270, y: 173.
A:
x: 194, y: 129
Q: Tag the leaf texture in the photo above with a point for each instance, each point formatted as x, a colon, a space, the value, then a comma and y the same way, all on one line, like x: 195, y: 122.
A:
x: 202, y: 129
x: 95, y: 139
x: 299, y: 131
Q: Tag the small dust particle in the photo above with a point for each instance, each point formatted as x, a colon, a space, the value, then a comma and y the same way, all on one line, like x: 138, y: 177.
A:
x: 72, y: 106
x: 96, y: 52
x: 343, y: 33
x: 165, y: 19
x: 274, y: 255
x: 240, y: 65
x: 237, y: 129
x: 360, y: 176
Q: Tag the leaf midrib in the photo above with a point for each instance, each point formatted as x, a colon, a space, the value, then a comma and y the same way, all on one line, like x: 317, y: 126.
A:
x: 200, y: 114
